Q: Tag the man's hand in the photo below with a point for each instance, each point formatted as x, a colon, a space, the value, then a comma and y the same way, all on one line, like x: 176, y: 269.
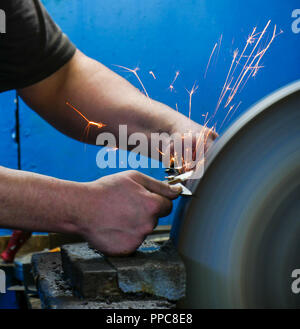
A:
x: 117, y: 212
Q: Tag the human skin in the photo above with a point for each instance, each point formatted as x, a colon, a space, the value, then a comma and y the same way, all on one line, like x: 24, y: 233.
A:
x: 114, y: 213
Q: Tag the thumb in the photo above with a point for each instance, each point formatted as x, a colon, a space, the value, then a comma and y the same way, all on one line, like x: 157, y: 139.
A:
x: 158, y: 187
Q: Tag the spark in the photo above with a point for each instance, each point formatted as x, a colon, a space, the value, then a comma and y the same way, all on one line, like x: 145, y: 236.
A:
x: 247, y: 67
x: 160, y: 152
x: 232, y: 114
x: 205, y: 118
x: 250, y: 40
x: 112, y: 149
x: 226, y: 86
x: 175, y: 160
x: 134, y: 71
x: 191, y: 93
x: 89, y: 123
x: 220, y: 42
x: 231, y: 107
x: 261, y: 54
x: 244, y: 65
x: 153, y: 75
x: 171, y: 87
x: 201, y: 138
x: 210, y: 59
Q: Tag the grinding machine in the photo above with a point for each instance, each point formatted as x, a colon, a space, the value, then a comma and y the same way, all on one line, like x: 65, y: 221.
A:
x: 239, y: 233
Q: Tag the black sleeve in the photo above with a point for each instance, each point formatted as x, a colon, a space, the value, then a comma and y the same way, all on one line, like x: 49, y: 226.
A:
x: 33, y: 46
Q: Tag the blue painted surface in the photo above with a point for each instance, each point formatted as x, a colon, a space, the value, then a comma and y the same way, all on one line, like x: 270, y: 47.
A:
x: 162, y: 36
x: 8, y: 300
x: 8, y: 145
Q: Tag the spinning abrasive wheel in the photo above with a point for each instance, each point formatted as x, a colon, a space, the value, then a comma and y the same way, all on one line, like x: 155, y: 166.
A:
x: 239, y: 234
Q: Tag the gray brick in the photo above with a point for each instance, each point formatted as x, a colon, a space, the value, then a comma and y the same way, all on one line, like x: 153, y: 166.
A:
x: 160, y: 273
x: 88, y: 271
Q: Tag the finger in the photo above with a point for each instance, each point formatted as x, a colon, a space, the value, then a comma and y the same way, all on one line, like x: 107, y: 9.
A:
x: 163, y: 206
x: 212, y: 134
x: 210, y: 137
x: 158, y: 187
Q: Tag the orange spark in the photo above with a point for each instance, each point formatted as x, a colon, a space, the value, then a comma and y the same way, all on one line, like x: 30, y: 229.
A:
x: 231, y: 107
x: 261, y: 54
x: 220, y: 41
x: 226, y: 86
x: 160, y: 152
x: 205, y: 118
x: 248, y: 69
x: 210, y: 59
x: 191, y: 93
x: 235, y: 110
x: 175, y: 161
x: 153, y: 75
x: 247, y: 66
x: 89, y: 123
x: 200, y: 139
x: 112, y: 149
x: 134, y: 71
x: 171, y: 87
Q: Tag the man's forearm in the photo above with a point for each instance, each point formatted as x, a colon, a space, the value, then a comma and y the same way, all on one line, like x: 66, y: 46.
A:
x: 102, y: 96
x: 27, y: 202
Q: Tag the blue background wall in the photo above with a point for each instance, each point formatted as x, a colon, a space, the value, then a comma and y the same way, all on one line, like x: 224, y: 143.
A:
x: 159, y: 35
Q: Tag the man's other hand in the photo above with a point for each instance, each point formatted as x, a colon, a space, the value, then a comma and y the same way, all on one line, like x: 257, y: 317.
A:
x: 117, y: 212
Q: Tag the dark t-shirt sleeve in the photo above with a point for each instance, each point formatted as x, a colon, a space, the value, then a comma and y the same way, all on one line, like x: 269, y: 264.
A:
x: 33, y: 46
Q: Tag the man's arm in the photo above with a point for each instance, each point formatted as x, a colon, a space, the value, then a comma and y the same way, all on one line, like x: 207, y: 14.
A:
x: 102, y: 96
x: 114, y: 213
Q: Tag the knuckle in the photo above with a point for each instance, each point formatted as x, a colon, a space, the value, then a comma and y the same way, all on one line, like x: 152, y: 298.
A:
x: 133, y: 174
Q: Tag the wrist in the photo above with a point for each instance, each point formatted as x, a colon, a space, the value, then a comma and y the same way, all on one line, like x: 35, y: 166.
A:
x: 82, y: 200
x: 74, y: 195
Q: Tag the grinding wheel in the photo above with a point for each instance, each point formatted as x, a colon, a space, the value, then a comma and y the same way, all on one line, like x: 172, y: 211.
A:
x: 239, y: 234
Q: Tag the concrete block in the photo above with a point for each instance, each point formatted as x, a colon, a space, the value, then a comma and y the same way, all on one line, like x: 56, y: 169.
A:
x: 56, y: 293
x: 153, y: 270
x: 47, y: 272
x: 88, y: 271
x: 157, y: 272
